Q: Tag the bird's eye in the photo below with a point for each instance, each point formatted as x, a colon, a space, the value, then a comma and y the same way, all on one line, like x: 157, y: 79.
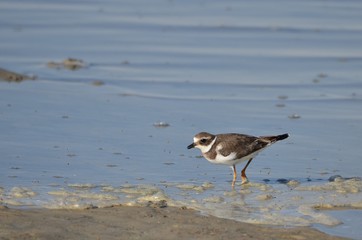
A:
x: 203, y: 140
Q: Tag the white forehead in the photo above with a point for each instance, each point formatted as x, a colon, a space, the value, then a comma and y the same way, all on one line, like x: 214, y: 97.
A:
x: 198, y: 137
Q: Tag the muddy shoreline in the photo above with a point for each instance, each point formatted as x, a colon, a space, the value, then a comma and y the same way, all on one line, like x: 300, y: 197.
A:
x: 148, y: 222
x: 9, y: 76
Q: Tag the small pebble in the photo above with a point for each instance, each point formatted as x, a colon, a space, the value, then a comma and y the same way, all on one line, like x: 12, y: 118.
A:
x: 334, y: 178
x: 111, y: 165
x: 161, y: 124
x: 97, y: 83
x: 283, y: 97
x: 322, y: 75
x: 282, y: 181
x: 168, y: 163
x: 294, y: 116
x: 159, y: 204
x: 293, y: 183
x: 69, y: 63
x: 264, y: 197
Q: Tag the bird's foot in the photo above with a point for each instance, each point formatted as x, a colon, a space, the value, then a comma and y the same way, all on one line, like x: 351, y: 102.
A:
x: 233, y: 184
x: 244, y: 181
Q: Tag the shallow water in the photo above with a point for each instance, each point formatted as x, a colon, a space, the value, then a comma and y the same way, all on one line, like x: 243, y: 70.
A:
x: 93, y: 136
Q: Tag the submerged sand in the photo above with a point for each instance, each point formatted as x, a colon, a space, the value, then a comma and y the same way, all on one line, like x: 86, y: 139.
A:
x: 9, y: 76
x: 147, y: 222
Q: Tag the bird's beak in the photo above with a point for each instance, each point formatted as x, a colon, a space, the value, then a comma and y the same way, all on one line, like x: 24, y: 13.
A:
x: 192, y: 145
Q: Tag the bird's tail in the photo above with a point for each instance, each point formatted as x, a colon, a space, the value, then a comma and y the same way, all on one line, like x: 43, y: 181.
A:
x: 273, y: 139
x: 282, y: 137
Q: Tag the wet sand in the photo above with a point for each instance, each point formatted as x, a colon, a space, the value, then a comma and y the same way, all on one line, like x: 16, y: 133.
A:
x: 9, y: 76
x: 149, y: 222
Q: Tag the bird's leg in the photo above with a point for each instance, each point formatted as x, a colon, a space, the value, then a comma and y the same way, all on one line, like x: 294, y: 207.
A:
x: 234, y: 177
x: 244, y: 178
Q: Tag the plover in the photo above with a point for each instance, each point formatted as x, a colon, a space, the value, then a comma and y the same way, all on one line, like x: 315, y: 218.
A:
x: 232, y: 148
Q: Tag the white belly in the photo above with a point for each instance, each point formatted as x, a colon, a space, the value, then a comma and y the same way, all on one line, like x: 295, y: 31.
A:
x: 231, y: 158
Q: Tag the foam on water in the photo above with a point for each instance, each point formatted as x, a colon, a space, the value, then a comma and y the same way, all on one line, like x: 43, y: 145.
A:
x: 273, y: 204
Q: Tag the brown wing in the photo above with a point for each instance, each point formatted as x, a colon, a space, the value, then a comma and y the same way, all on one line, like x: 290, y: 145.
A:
x: 245, y: 144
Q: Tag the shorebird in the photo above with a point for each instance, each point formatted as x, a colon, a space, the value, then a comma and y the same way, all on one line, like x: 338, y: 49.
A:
x: 232, y: 148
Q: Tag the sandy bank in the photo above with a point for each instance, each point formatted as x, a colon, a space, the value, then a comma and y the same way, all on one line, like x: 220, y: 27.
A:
x: 149, y: 222
x: 9, y: 76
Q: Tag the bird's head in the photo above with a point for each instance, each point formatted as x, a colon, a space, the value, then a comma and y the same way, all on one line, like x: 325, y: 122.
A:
x: 202, y: 141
